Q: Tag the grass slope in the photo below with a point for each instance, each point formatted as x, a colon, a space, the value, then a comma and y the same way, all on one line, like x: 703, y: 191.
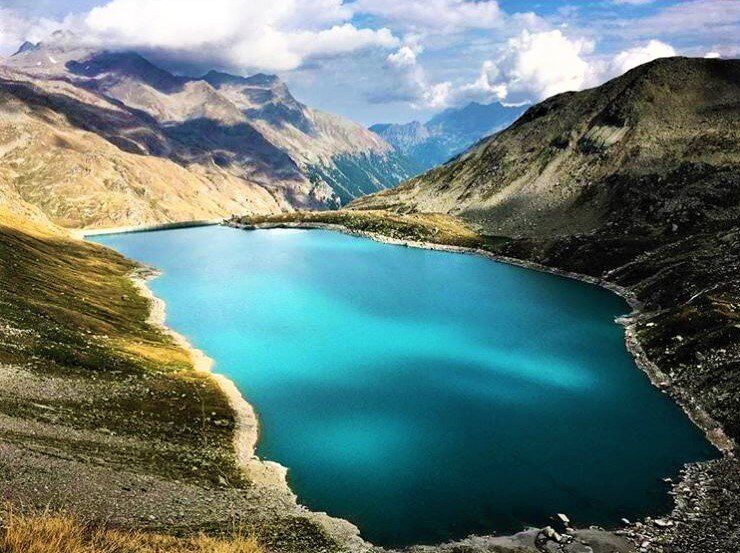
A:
x: 103, y: 417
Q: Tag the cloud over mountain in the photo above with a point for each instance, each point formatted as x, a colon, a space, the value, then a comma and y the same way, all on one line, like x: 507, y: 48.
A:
x: 269, y: 35
x: 531, y: 66
x: 387, y: 59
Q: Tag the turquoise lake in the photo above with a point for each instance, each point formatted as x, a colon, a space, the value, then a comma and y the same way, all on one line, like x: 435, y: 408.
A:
x: 424, y: 395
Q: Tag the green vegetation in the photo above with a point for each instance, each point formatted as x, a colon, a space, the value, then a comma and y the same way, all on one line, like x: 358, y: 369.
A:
x: 104, y: 417
x: 420, y: 227
x: 352, y: 176
x: 73, y: 310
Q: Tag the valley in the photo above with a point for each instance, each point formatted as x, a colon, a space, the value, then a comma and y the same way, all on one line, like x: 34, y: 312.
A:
x: 632, y: 185
x: 448, y: 133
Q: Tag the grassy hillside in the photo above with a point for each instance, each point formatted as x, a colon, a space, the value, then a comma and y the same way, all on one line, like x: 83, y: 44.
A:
x: 422, y: 227
x: 103, y: 417
x: 52, y: 158
x: 63, y: 533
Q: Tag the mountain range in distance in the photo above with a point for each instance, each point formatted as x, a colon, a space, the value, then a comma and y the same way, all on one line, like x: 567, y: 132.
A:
x: 448, y: 133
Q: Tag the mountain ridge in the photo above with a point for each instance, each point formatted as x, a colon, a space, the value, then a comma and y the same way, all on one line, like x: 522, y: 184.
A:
x: 448, y: 133
x: 275, y: 153
x: 550, y: 170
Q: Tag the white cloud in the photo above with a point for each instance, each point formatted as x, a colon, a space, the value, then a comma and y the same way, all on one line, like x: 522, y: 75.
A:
x: 410, y: 80
x: 14, y: 29
x: 484, y: 88
x: 530, y: 66
x: 436, y: 96
x: 404, y: 57
x: 340, y: 39
x: 270, y: 35
x: 527, y: 68
x: 696, y: 19
x: 712, y: 55
x: 535, y: 66
x: 434, y: 15
x: 632, y: 57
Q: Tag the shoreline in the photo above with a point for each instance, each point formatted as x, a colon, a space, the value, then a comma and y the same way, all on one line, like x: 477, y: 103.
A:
x: 246, y: 433
x: 262, y: 473
x: 85, y: 233
x: 713, y: 431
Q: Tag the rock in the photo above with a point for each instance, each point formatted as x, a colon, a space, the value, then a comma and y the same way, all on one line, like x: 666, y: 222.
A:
x: 564, y: 519
x: 662, y: 523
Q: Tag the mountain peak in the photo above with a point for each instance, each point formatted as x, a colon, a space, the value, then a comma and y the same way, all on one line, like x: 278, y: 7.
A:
x: 63, y: 38
x: 264, y: 80
x: 26, y: 47
x: 218, y: 78
x: 259, y: 80
x: 128, y: 64
x: 448, y: 133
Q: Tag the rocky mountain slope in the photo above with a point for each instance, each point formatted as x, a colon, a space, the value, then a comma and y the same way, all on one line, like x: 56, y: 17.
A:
x: 448, y: 133
x: 635, y: 183
x: 98, y: 138
x: 567, y: 164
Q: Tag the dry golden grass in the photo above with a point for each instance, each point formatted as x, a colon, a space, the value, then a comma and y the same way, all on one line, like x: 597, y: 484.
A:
x: 158, y: 353
x: 64, y: 533
x: 438, y: 228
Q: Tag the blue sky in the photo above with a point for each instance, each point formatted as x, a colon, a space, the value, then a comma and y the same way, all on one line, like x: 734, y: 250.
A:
x: 394, y: 60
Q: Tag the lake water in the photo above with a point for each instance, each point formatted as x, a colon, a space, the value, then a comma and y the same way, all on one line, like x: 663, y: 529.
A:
x: 424, y: 395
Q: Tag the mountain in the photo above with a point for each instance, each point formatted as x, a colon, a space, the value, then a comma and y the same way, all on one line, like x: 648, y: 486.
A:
x: 651, y: 148
x: 448, y: 133
x: 330, y: 149
x: 100, y: 138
